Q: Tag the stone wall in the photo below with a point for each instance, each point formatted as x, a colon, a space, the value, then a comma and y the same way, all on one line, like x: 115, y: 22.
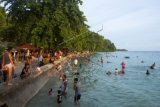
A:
x: 23, y: 90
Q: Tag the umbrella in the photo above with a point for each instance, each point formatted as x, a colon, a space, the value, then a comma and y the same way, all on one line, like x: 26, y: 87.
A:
x: 27, y: 46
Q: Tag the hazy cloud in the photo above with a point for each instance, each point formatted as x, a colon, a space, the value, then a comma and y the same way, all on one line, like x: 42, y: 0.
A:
x: 130, y: 24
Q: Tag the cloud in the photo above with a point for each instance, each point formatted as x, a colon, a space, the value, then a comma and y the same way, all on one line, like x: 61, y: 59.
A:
x: 133, y: 25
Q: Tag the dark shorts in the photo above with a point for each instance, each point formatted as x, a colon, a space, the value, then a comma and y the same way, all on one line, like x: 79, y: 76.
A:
x: 78, y: 97
x: 59, y: 102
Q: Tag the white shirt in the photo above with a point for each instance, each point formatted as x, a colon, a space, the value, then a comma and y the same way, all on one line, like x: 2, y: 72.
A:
x: 41, y: 58
x: 75, y: 61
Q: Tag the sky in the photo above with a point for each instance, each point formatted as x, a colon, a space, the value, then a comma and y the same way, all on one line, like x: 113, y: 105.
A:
x: 130, y: 24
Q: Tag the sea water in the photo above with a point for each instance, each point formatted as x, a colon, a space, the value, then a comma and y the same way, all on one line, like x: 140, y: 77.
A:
x: 132, y: 89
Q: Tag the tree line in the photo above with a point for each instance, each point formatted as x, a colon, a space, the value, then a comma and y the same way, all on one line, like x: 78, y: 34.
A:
x: 49, y: 24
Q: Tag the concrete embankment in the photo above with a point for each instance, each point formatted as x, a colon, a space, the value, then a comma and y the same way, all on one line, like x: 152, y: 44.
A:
x: 23, y: 90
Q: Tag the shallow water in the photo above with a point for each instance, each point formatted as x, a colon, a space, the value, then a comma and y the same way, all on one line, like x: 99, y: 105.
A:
x: 133, y: 89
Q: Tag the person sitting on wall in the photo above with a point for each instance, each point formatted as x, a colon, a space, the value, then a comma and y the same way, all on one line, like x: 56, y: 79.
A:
x: 25, y: 71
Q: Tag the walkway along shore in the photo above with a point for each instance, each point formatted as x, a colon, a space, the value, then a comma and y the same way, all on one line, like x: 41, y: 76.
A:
x: 23, y: 90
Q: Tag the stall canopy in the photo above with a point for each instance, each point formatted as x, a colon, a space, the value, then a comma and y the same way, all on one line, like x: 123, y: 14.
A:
x: 27, y: 46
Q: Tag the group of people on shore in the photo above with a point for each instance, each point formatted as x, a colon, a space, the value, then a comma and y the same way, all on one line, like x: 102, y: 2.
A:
x: 32, y: 61
x: 8, y: 64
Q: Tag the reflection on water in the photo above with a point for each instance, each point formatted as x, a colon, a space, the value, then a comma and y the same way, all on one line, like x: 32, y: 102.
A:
x: 133, y: 89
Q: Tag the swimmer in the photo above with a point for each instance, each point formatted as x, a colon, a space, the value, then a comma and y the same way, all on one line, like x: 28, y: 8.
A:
x: 147, y: 73
x: 50, y: 92
x: 152, y: 66
x: 116, y: 71
x: 108, y: 73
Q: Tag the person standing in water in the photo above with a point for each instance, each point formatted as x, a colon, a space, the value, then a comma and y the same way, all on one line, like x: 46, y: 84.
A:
x: 147, y: 72
x: 101, y: 60
x: 123, y: 65
x: 76, y: 88
x: 75, y: 62
x: 63, y: 86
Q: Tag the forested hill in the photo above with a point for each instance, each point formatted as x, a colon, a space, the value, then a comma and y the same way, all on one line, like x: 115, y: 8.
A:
x: 48, y: 24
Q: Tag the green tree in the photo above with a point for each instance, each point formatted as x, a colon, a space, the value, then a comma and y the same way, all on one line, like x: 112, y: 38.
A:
x: 2, y: 17
x: 51, y: 23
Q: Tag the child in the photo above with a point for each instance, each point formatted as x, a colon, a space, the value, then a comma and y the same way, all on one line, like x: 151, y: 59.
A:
x: 50, y: 92
x: 116, y: 71
x: 76, y: 88
x: 59, y: 97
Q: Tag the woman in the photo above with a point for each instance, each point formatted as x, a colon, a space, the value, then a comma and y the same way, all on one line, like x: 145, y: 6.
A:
x: 7, y: 64
x: 123, y: 65
x: 64, y: 85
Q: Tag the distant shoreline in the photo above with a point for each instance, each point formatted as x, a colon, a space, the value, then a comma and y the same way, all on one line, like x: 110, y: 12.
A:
x: 121, y: 50
x: 137, y: 51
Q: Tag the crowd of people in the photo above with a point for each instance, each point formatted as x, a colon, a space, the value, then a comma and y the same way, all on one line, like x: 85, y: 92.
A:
x: 8, y: 66
x: 123, y: 66
x: 62, y: 91
x: 30, y: 58
x: 63, y: 88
